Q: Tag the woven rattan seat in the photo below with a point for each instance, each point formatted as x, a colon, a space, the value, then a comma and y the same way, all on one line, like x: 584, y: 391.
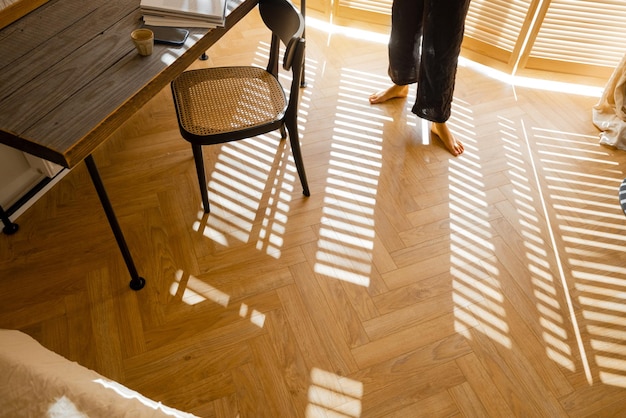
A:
x: 223, y: 104
x: 223, y: 100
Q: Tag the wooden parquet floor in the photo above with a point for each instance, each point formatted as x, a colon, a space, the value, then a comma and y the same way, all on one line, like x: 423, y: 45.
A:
x: 409, y: 284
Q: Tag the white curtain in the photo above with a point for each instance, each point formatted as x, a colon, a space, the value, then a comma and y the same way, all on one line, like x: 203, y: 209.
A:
x: 609, y: 114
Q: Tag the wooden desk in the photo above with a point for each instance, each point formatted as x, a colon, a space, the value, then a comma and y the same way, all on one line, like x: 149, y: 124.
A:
x: 70, y: 76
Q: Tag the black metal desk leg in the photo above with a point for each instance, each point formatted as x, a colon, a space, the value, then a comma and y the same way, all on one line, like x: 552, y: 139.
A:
x: 10, y: 228
x: 136, y: 282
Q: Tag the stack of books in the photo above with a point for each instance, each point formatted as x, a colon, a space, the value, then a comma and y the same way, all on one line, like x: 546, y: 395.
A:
x: 184, y: 13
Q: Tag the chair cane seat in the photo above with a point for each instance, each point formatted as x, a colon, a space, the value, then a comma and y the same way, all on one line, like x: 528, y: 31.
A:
x: 212, y: 101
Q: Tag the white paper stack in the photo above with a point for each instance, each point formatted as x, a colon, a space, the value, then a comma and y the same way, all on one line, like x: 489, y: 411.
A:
x: 184, y: 13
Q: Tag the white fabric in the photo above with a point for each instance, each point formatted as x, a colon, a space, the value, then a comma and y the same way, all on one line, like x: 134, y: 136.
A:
x: 36, y: 382
x: 609, y: 114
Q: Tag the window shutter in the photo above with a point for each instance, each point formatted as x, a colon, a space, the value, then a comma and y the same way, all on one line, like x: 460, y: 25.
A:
x: 496, y: 28
x: 586, y: 37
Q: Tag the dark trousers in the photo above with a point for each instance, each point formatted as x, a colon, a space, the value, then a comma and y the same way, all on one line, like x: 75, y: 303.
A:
x: 424, y: 47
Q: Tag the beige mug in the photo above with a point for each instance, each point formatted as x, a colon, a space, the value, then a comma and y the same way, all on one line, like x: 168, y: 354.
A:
x: 144, y: 41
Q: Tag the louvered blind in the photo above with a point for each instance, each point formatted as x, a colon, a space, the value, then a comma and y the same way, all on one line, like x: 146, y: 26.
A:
x: 497, y: 23
x: 581, y: 35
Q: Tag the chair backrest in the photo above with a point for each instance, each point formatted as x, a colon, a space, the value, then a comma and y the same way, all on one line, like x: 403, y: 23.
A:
x: 286, y: 23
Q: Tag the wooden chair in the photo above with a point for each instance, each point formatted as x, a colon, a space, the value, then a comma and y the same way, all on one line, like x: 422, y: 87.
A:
x: 223, y: 104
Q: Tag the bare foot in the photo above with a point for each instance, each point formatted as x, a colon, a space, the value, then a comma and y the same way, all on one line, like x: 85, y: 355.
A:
x: 393, y: 92
x: 441, y: 131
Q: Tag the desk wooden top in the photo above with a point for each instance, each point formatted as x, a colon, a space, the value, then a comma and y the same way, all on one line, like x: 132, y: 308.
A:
x: 70, y: 75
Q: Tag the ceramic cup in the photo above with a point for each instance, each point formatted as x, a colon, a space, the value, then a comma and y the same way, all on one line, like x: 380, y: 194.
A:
x: 144, y: 41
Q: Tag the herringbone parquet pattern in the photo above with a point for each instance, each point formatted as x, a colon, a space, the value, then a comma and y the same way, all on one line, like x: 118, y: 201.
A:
x: 410, y: 284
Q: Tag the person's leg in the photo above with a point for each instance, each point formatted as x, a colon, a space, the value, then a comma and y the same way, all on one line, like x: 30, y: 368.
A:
x: 441, y: 46
x: 404, y: 49
x: 443, y: 34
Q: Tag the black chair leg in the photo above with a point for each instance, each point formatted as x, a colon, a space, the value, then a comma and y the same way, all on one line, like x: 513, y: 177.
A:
x: 197, y: 156
x: 303, y: 11
x: 294, y: 140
